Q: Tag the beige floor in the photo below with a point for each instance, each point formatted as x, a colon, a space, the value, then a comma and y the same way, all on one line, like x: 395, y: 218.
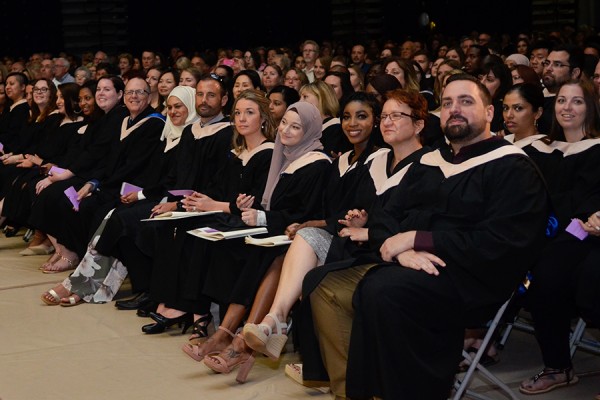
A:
x: 96, y: 352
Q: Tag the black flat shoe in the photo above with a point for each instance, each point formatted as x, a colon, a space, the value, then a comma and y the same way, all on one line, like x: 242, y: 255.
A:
x: 162, y: 323
x: 135, y: 303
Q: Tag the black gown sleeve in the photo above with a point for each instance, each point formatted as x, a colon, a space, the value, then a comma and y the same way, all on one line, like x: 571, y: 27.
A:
x: 11, y: 124
x: 298, y: 197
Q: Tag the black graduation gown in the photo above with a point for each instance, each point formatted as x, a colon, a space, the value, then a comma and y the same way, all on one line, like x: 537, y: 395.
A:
x: 201, y: 152
x: 545, y: 121
x: 497, y: 123
x: 486, y: 219
x: 432, y: 134
x: 52, y: 146
x: 333, y: 138
x: 179, y: 266
x: 131, y: 151
x: 87, y: 156
x: 564, y: 280
x: 341, y: 191
x: 235, y: 269
x: 11, y: 124
x: 24, y: 143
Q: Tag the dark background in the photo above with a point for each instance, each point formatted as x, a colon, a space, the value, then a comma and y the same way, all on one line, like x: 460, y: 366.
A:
x: 114, y: 26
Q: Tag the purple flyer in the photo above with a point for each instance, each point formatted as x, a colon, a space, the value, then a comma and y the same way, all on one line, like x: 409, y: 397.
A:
x: 127, y: 188
x: 55, y: 170
x: 71, y: 194
x: 182, y: 192
x: 576, y: 230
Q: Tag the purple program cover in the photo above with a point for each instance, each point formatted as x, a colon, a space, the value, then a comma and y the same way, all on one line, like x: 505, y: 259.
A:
x: 127, y: 188
x: 71, y: 194
x: 1, y: 148
x: 182, y: 192
x: 576, y: 230
x: 55, y: 170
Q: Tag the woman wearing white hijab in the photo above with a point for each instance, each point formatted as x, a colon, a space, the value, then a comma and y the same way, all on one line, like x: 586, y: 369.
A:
x: 173, y: 129
x: 98, y: 277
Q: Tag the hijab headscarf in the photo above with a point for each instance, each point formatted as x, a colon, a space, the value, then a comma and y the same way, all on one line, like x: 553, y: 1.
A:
x: 519, y: 59
x: 172, y: 133
x: 283, y: 156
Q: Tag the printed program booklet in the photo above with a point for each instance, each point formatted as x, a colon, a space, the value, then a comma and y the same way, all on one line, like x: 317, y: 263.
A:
x: 272, y: 241
x: 178, y: 215
x: 212, y: 234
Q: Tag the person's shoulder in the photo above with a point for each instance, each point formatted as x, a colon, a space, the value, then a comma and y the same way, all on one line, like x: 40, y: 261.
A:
x: 118, y: 111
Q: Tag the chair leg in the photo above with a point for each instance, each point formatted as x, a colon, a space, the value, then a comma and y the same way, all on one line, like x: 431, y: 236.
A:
x: 461, y: 385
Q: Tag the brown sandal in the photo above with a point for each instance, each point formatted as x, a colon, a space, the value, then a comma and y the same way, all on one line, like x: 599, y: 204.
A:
x: 196, y: 352
x: 546, y: 381
x: 228, y: 359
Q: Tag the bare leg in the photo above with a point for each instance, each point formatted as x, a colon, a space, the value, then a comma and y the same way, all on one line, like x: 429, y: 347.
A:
x: 168, y: 312
x: 299, y: 260
x: 38, y: 238
x: 54, y: 257
x: 263, y: 299
x: 68, y: 260
x: 266, y: 291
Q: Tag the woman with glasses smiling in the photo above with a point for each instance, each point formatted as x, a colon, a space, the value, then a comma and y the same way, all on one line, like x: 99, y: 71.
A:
x: 43, y: 104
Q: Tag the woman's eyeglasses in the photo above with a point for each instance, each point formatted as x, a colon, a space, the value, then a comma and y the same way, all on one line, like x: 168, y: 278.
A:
x: 395, y: 116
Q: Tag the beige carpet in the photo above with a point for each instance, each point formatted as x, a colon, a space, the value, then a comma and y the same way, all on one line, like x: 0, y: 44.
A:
x: 97, y: 352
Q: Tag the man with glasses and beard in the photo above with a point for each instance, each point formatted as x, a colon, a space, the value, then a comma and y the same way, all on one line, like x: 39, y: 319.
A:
x: 564, y: 63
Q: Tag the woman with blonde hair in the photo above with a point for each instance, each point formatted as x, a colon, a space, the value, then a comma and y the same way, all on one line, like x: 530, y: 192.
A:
x: 322, y: 96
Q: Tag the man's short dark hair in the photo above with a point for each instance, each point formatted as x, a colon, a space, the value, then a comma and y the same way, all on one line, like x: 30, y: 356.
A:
x: 485, y: 93
x: 576, y: 59
x: 542, y: 44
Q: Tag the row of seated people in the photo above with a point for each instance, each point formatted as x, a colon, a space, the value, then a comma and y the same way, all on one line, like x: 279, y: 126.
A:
x: 361, y: 299
x: 296, y: 177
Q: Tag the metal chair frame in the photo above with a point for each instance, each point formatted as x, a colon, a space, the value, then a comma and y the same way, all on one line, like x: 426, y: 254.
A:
x: 461, y: 384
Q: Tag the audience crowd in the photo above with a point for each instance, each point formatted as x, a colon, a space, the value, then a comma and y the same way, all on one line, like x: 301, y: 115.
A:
x: 408, y: 188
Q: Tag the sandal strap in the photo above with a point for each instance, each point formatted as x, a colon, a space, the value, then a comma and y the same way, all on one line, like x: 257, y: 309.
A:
x: 200, y: 326
x: 204, y: 318
x: 70, y: 262
x: 279, y: 326
x: 221, y: 327
x: 553, y: 371
x: 55, y: 295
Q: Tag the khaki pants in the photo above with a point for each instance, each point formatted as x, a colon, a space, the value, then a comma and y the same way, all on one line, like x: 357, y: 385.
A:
x: 331, y: 304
